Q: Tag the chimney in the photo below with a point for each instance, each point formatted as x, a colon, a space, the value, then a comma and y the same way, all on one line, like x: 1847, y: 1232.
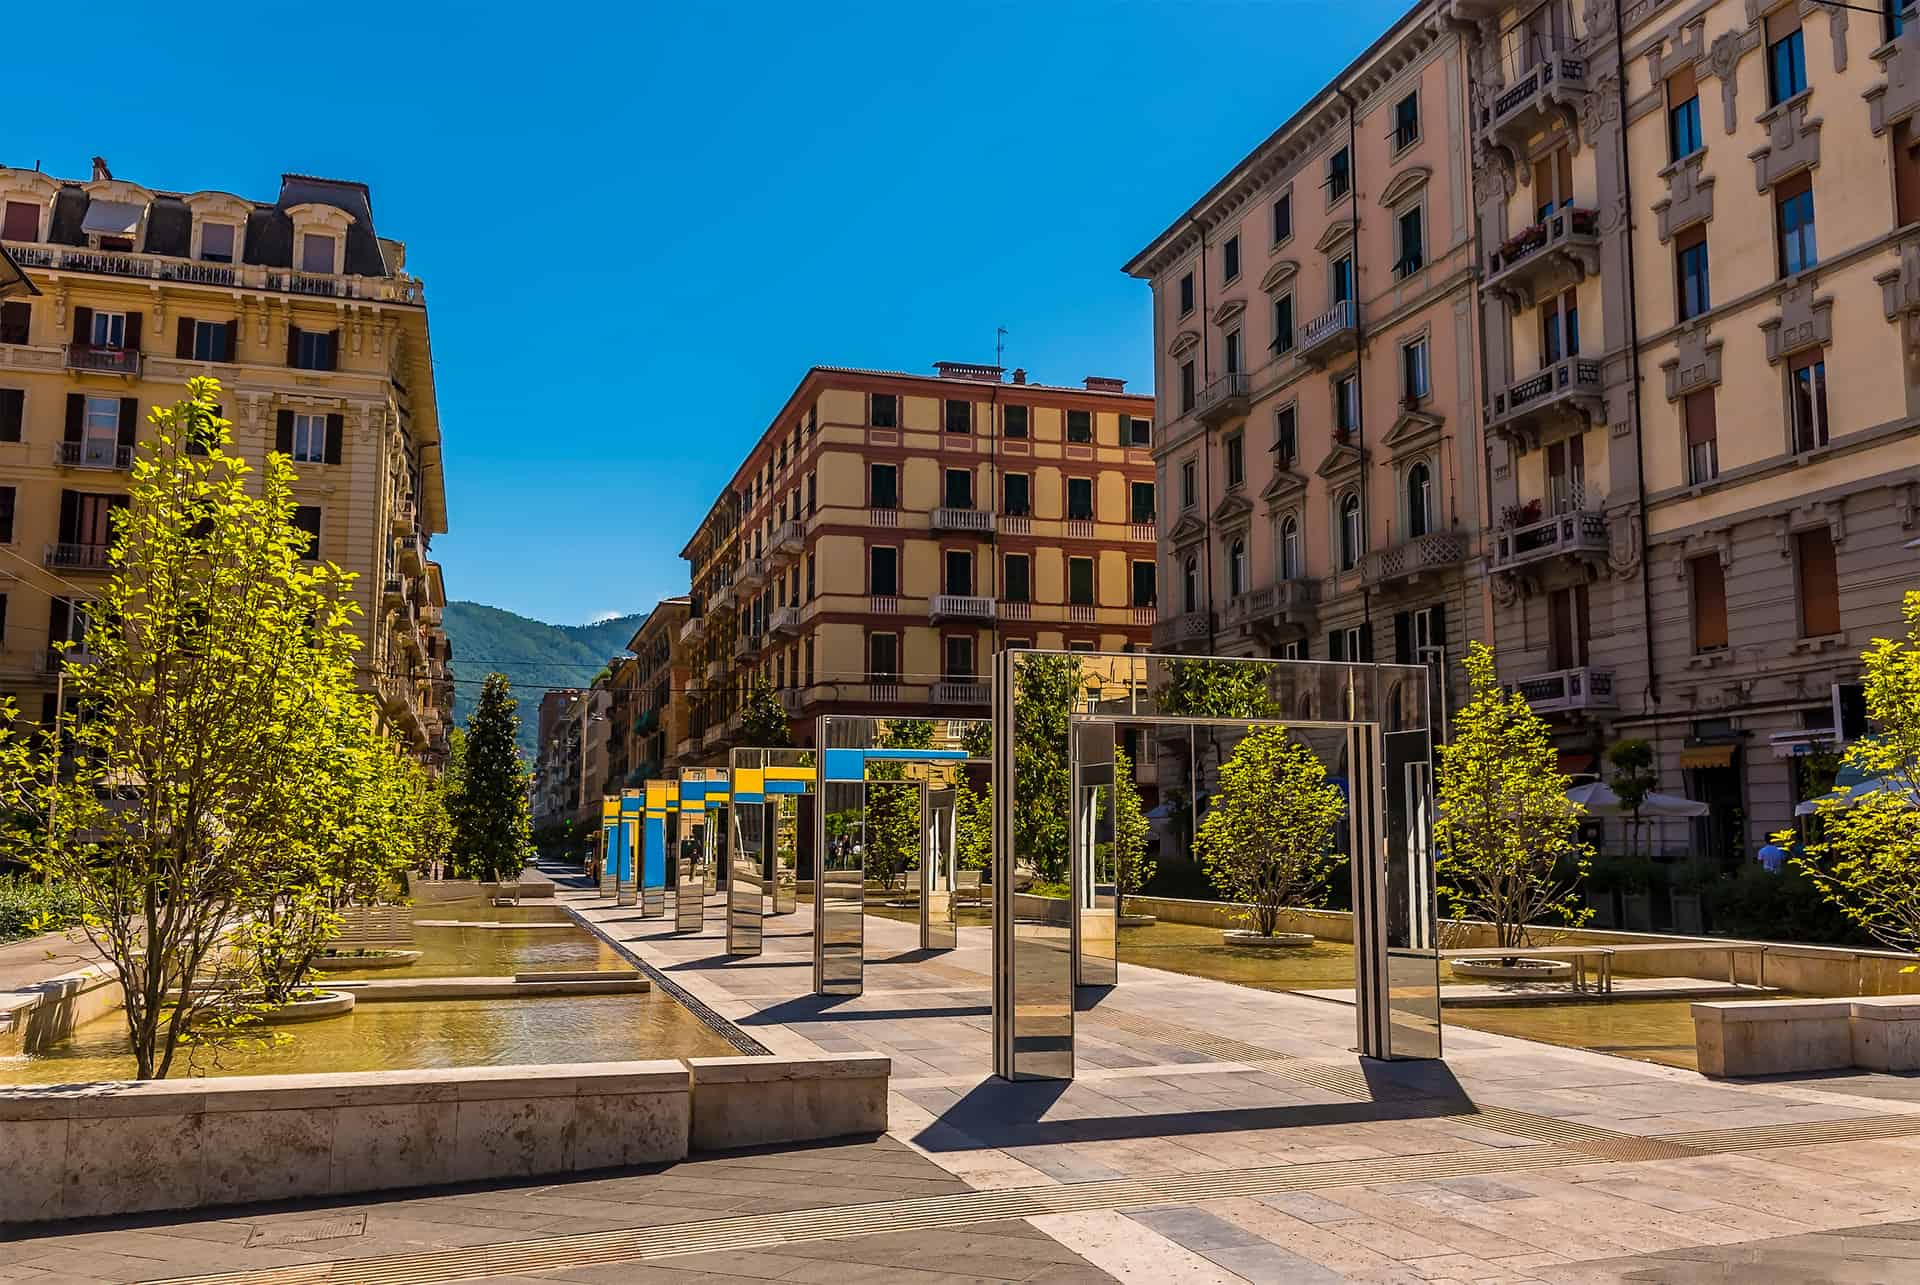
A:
x: 100, y: 170
x: 1019, y: 374
x: 1103, y: 384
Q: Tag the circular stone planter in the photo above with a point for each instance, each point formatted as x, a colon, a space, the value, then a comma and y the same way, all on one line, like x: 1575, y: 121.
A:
x: 1279, y: 941
x: 1138, y: 921
x: 901, y: 904
x: 319, y: 1004
x: 370, y: 959
x: 1517, y: 970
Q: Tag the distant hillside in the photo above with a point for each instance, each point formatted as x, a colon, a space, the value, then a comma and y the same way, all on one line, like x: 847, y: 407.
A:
x: 535, y: 656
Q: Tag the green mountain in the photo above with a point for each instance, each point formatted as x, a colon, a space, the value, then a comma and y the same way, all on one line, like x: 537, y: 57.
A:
x: 534, y: 655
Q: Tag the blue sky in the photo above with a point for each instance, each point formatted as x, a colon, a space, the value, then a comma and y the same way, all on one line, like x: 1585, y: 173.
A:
x: 638, y: 227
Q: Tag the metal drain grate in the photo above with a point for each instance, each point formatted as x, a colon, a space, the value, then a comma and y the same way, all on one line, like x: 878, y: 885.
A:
x: 1762, y: 1137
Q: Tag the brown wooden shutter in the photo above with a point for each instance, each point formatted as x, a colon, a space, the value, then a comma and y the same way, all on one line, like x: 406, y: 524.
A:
x: 129, y: 419
x: 336, y: 429
x: 1335, y: 645
x: 59, y: 622
x: 83, y: 326
x: 1782, y: 22
x: 1681, y: 86
x: 333, y: 350
x: 283, y: 433
x: 69, y: 516
x: 1819, y: 583
x: 183, y: 337
x: 293, y: 345
x: 1709, y: 602
x: 76, y: 416
x: 1697, y: 410
x: 13, y: 403
x: 133, y: 331
x: 233, y: 341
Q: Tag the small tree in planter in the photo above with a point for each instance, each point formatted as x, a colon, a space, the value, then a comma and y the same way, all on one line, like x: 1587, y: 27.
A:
x: 1507, y: 834
x: 1633, y: 780
x: 763, y: 720
x: 1132, y: 867
x: 1267, y: 839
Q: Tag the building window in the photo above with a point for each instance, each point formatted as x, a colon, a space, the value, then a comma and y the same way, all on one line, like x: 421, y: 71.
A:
x: 6, y: 514
x: 306, y: 518
x: 1142, y: 507
x: 1283, y: 324
x: 217, y: 241
x: 959, y: 488
x: 1080, y: 581
x: 1683, y: 115
x: 1079, y: 426
x: 1135, y: 431
x: 13, y: 413
x: 1906, y: 171
x: 1186, y: 294
x: 1286, y: 437
x: 1237, y: 567
x: 1346, y: 405
x: 1793, y: 208
x: 1339, y: 174
x: 1419, y: 501
x: 1703, y: 447
x: 1350, y: 534
x: 959, y: 416
x: 1891, y: 21
x: 958, y: 578
x: 108, y: 330
x: 1414, y: 375
x: 1411, y: 234
x: 312, y: 349
x: 1233, y: 352
x: 1080, y: 498
x: 959, y: 660
x: 1019, y: 495
x: 21, y: 222
x: 309, y: 439
x: 99, y: 430
x: 1234, y: 447
x: 1559, y: 328
x: 1013, y: 421
x: 1708, y: 583
x: 1406, y: 121
x: 883, y: 658
x: 1340, y: 274
x: 316, y: 253
x: 1230, y: 259
x: 1283, y: 217
x: 884, y: 411
x: 1189, y: 492
x: 211, y: 340
x: 1786, y: 55
x: 1807, y: 390
x: 883, y: 486
x: 813, y: 493
x: 1690, y: 268
x: 1145, y: 584
x: 16, y: 322
x: 883, y: 576
x: 1819, y: 582
x: 1190, y: 584
x: 1187, y: 389
x: 1292, y: 559
x: 1018, y: 578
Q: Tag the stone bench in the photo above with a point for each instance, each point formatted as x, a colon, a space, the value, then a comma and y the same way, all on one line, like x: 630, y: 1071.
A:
x: 1773, y: 1037
x: 754, y: 1101
x: 1886, y: 1032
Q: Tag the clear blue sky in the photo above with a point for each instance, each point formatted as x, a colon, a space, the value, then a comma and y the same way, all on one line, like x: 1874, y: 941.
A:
x: 639, y: 227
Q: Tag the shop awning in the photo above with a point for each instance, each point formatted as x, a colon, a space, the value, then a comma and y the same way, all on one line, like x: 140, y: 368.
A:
x: 1576, y: 764
x: 12, y: 280
x: 1699, y: 756
x: 111, y: 218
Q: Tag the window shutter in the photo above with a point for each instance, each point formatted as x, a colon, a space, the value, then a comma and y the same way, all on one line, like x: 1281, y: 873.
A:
x: 1782, y: 22
x: 333, y: 350
x: 183, y: 337
x: 1819, y: 584
x: 1403, y: 638
x: 1437, y: 624
x: 1335, y: 646
x: 59, y: 621
x: 1699, y: 412
x: 1366, y: 643
x: 293, y: 345
x: 76, y: 413
x: 1681, y: 86
x: 69, y: 515
x: 129, y: 419
x: 133, y: 331
x: 336, y: 429
x: 283, y: 433
x: 1709, y: 603
x: 83, y: 326
x: 233, y: 341
x: 13, y: 413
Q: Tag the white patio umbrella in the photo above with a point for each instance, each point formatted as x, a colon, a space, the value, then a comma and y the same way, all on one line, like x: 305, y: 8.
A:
x: 1599, y: 800
x: 1859, y: 790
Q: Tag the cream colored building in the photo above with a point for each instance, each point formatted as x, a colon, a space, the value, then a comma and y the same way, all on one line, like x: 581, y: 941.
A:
x: 319, y: 337
x: 887, y: 533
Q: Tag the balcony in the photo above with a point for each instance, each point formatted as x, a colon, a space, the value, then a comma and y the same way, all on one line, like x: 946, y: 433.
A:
x: 1142, y: 532
x: 714, y: 737
x: 430, y: 613
x: 71, y: 556
x: 1333, y: 333
x: 1552, y: 88
x: 789, y: 541
x: 1559, y: 251
x: 785, y: 622
x: 793, y: 700
x: 1568, y: 389
x: 1410, y: 559
x: 403, y: 518
x: 959, y: 606
x: 1014, y: 523
x: 1569, y: 691
x: 409, y: 549
x: 957, y: 691
x: 1222, y: 400
x: 100, y: 455
x: 1271, y: 610
x: 974, y: 521
x: 1576, y: 531
x: 725, y: 599
x: 716, y: 670
x: 1183, y: 631
x: 160, y: 267
x: 746, y: 646
x: 692, y: 630
x: 684, y: 747
x: 394, y: 592
x: 750, y: 575
x: 105, y: 361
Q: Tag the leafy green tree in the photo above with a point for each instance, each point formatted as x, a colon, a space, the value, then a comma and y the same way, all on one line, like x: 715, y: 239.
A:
x: 1213, y: 688
x: 973, y: 804
x: 492, y: 830
x: 1045, y: 688
x: 1133, y: 868
x: 893, y: 803
x: 1866, y: 856
x: 763, y: 720
x: 214, y: 675
x: 1267, y: 841
x: 1633, y: 780
x: 1507, y: 835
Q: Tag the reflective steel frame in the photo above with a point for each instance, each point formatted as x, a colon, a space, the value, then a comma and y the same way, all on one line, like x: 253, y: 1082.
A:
x: 627, y: 844
x: 690, y: 881
x: 609, y: 856
x: 1095, y: 917
x: 656, y: 826
x: 767, y: 787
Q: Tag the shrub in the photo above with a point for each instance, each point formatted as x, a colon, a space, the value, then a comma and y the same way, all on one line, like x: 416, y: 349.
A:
x: 28, y: 906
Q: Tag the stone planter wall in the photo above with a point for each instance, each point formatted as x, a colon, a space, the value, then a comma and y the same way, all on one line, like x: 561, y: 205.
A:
x: 1791, y: 1036
x: 754, y: 1101
x: 47, y: 1012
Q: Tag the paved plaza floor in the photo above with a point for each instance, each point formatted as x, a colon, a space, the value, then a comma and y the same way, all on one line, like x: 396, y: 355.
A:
x: 1215, y: 1133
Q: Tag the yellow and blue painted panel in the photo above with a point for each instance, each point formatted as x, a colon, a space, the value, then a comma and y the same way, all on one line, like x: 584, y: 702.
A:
x: 851, y: 764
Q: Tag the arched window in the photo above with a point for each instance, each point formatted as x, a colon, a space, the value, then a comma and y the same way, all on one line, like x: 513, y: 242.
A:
x: 1190, y: 584
x: 1419, y: 501
x: 1237, y: 567
x: 1305, y: 707
x: 1350, y: 534
x: 1292, y: 559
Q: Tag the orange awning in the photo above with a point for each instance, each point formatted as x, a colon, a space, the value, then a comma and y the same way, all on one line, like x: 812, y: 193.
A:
x: 1695, y: 756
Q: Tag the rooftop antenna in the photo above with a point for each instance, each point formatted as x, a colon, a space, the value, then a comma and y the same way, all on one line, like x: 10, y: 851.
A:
x: 1000, y: 347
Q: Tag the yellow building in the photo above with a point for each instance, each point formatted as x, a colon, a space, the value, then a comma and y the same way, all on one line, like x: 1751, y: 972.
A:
x: 887, y: 532
x: 319, y: 336
x: 647, y: 699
